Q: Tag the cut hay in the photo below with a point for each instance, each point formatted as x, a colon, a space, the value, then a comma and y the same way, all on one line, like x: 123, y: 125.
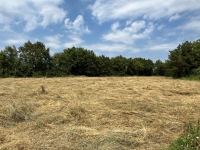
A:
x: 96, y: 113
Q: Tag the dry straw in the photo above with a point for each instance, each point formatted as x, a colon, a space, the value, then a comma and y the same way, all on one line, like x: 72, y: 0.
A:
x: 95, y: 113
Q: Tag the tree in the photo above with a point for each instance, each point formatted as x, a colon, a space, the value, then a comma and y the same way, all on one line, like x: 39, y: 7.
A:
x: 195, y: 55
x: 81, y: 61
x: 148, y: 67
x: 181, y: 60
x: 131, y: 67
x: 34, y: 59
x: 139, y: 66
x: 9, y: 61
x: 1, y: 64
x: 60, y: 64
x: 119, y: 65
x: 104, y: 66
x: 159, y: 68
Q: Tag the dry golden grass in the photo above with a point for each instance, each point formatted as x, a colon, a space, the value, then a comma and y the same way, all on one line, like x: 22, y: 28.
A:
x: 95, y: 113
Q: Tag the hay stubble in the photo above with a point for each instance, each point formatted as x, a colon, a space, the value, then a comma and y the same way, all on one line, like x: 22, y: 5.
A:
x: 96, y: 113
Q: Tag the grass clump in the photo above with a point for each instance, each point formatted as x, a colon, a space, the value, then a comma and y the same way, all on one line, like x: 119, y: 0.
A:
x: 191, y: 140
x: 21, y: 112
x: 42, y: 90
x: 192, y: 77
x: 15, y: 113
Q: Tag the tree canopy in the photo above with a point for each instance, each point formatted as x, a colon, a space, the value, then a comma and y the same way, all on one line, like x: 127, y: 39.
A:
x: 34, y: 60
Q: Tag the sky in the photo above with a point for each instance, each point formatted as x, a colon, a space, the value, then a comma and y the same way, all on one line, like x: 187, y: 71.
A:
x: 131, y: 28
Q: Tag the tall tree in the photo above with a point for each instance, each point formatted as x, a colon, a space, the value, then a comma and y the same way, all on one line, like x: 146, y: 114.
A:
x: 139, y: 66
x: 61, y: 65
x: 104, y: 66
x: 9, y: 61
x: 195, y: 56
x: 159, y: 68
x: 181, y: 60
x: 148, y: 67
x: 119, y: 65
x: 35, y: 59
x: 1, y: 64
x: 131, y: 67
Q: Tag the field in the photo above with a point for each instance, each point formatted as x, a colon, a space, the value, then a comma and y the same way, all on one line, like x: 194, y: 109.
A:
x: 108, y: 113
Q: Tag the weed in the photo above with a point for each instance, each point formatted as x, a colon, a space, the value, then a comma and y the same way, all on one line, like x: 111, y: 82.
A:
x: 42, y: 90
x: 191, y: 141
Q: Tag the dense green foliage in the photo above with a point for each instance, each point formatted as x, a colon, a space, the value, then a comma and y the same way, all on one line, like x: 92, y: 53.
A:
x: 185, y: 59
x: 34, y: 60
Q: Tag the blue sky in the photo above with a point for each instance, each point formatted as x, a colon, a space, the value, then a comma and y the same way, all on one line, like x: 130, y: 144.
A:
x: 131, y: 28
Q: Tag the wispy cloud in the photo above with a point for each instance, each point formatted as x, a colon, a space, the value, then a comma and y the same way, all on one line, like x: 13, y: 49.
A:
x: 33, y: 13
x: 154, y: 9
x: 73, y: 41
x: 174, y: 17
x: 161, y: 46
x: 191, y: 25
x: 111, y: 47
x: 15, y: 41
x: 115, y: 27
x: 130, y: 33
x: 53, y: 41
x: 160, y: 26
x: 77, y: 26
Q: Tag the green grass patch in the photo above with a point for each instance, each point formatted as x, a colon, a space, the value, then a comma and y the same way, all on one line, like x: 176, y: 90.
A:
x: 190, y: 141
x: 191, y: 77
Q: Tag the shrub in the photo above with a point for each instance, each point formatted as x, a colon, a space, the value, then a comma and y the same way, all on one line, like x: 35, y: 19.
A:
x: 196, y: 71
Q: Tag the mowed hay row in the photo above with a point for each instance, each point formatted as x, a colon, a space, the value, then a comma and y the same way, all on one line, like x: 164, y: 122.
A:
x: 95, y: 113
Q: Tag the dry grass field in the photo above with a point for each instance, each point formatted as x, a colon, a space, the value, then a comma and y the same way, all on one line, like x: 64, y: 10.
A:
x: 108, y: 113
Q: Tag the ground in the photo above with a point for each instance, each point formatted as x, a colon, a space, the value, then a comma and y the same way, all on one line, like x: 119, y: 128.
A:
x: 104, y: 113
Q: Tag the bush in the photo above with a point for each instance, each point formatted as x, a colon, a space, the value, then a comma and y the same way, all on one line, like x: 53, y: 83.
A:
x: 196, y: 71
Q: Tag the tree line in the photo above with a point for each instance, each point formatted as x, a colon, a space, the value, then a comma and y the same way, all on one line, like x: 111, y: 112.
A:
x: 34, y: 60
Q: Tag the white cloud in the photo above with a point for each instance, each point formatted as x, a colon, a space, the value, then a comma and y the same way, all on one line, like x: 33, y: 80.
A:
x: 115, y: 26
x: 33, y: 12
x: 53, y: 41
x: 111, y: 47
x: 15, y: 41
x: 128, y: 22
x: 160, y: 27
x: 174, y: 17
x: 77, y: 26
x: 86, y: 1
x: 162, y: 46
x: 32, y: 24
x: 130, y: 33
x: 12, y: 38
x: 6, y: 28
x: 172, y: 33
x: 56, y: 43
x: 74, y: 41
x: 104, y: 10
x: 191, y: 25
x: 49, y: 15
